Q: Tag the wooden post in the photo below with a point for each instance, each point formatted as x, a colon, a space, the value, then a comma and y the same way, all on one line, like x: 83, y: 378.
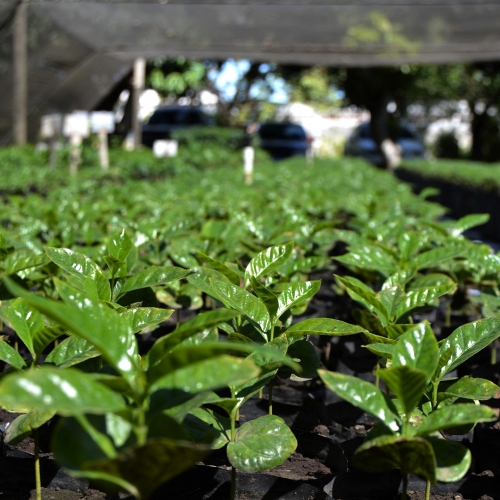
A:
x: 248, y: 157
x: 138, y: 82
x: 103, y: 149
x: 75, y: 141
x: 20, y: 75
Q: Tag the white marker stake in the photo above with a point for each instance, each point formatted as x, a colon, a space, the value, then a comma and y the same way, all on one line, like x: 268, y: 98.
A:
x: 103, y: 149
x: 103, y: 123
x: 248, y: 157
x: 75, y: 141
x: 76, y: 127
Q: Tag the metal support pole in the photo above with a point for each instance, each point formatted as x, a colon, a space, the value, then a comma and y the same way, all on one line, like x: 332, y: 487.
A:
x: 138, y: 83
x: 20, y: 75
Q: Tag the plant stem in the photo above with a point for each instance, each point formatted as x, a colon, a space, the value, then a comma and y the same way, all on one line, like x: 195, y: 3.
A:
x: 435, y: 386
x: 428, y: 490
x: 493, y: 348
x: 447, y: 321
x: 270, y: 397
x: 261, y: 394
x: 38, y: 480
x: 232, y: 496
x: 405, y: 487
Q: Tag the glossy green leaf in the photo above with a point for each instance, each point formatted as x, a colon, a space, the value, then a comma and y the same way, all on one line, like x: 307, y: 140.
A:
x: 118, y: 428
x: 421, y: 297
x: 140, y: 318
x: 139, y: 469
x: 23, y: 425
x: 96, y: 322
x: 72, y: 351
x: 401, y: 278
x: 113, y: 264
x: 391, y: 298
x: 362, y: 394
x: 296, y: 293
x: 322, y: 326
x: 377, y: 339
x: 67, y: 392
x: 268, y: 260
x: 409, y: 243
x: 261, y: 444
x: 453, y: 459
x: 207, y: 261
x: 430, y: 280
x: 437, y: 256
x: 359, y: 291
x: 97, y: 285
x: 207, y: 427
x: 370, y: 257
x: 469, y: 388
x: 407, y: 384
x: 190, y: 372
x: 45, y: 336
x: 199, y: 323
x: 385, y: 453
x: 466, y: 341
x: 243, y: 301
x: 267, y: 297
x: 456, y: 228
x: 304, y: 352
x: 455, y: 415
x: 120, y: 245
x: 10, y: 356
x: 396, y: 330
x: 75, y: 263
x: 381, y: 350
x: 152, y: 276
x: 19, y: 262
x: 418, y: 349
x: 26, y: 321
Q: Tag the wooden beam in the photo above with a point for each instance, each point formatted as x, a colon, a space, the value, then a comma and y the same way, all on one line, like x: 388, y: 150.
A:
x: 138, y: 83
x: 20, y: 75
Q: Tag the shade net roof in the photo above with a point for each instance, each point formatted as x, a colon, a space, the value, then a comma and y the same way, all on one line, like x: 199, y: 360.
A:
x: 79, y: 49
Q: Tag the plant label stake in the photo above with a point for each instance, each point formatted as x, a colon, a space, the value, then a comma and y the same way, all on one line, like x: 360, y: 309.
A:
x: 165, y: 148
x: 76, y: 127
x: 51, y: 129
x: 103, y: 123
x: 248, y: 158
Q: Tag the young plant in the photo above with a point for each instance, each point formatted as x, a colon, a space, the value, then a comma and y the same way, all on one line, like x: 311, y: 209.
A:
x: 408, y: 436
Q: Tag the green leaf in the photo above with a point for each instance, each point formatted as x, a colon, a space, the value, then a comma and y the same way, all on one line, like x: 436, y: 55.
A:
x: 306, y: 356
x: 381, y: 350
x: 207, y: 427
x: 140, y: 318
x: 218, y: 266
x: 470, y: 388
x: 296, y: 293
x: 437, y: 256
x: 418, y: 349
x: 406, y: 383
x: 19, y: 262
x: 453, y: 460
x: 267, y: 297
x: 267, y: 261
x: 97, y: 285
x: 10, y: 356
x: 243, y: 301
x: 67, y: 392
x: 261, y: 444
x: 456, y: 228
x: 371, y: 257
x: 391, y: 298
x: 362, y: 394
x: 96, y: 322
x: 75, y: 263
x: 466, y: 341
x: 72, y: 351
x: 377, y: 339
x: 42, y: 338
x: 430, y: 280
x: 385, y: 453
x: 200, y: 368
x: 25, y: 320
x: 120, y: 245
x: 362, y: 293
x: 322, y: 326
x: 421, y: 297
x: 198, y: 324
x: 455, y: 415
x: 22, y: 426
x: 409, y: 243
x: 133, y: 470
x: 152, y: 276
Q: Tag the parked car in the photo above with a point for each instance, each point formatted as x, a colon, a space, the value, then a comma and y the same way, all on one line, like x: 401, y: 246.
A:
x: 167, y: 119
x: 361, y: 144
x: 284, y: 139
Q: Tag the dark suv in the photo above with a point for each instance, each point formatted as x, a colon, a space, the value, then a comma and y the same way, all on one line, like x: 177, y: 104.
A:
x: 284, y: 139
x: 167, y: 119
